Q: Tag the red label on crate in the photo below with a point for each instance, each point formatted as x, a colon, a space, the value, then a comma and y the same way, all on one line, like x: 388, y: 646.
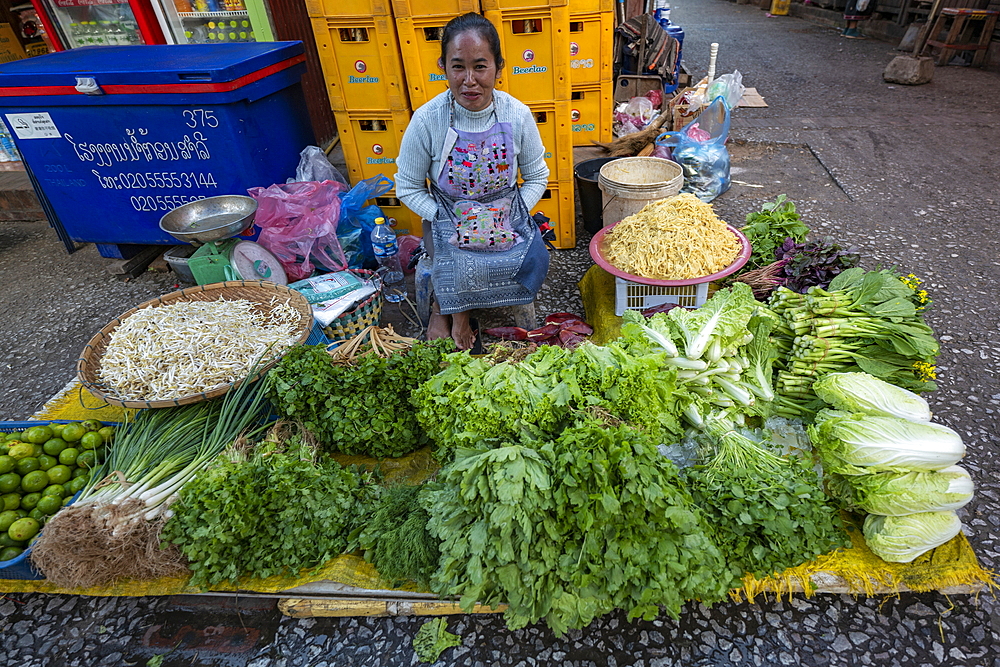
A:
x: 361, y: 67
x: 574, y: 48
x: 528, y: 55
x: 575, y: 115
x: 377, y: 149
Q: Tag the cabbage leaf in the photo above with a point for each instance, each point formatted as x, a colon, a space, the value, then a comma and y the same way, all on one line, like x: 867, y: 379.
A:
x: 902, y: 493
x: 861, y: 392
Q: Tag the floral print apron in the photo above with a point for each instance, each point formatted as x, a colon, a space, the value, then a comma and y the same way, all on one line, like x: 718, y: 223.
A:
x: 478, y: 179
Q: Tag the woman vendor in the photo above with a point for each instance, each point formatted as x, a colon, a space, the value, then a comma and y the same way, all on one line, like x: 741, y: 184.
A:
x: 458, y: 166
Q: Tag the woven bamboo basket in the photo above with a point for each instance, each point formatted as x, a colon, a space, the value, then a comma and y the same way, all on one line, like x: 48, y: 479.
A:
x: 365, y: 314
x: 259, y: 292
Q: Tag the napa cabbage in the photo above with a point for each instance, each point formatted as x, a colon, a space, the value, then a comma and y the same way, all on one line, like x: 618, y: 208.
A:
x: 901, y: 493
x: 861, y: 392
x: 900, y: 539
x: 857, y: 444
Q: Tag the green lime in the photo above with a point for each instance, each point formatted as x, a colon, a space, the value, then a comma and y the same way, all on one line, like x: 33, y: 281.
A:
x: 21, y: 512
x: 7, y: 464
x: 54, y: 490
x: 35, y: 481
x: 49, y: 504
x: 16, y: 435
x: 73, y: 432
x: 30, y: 500
x: 45, y: 461
x: 10, y: 553
x: 53, y: 446
x: 91, y: 440
x: 67, y: 500
x: 107, y: 433
x: 92, y: 424
x: 59, y: 474
x: 36, y: 435
x: 7, y: 518
x: 24, y: 529
x: 57, y: 429
x: 67, y: 457
x: 10, y: 501
x: 26, y: 465
x: 87, y: 459
x: 74, y: 485
x: 10, y: 482
x: 20, y: 450
x: 80, y: 472
x: 38, y: 515
x: 7, y: 541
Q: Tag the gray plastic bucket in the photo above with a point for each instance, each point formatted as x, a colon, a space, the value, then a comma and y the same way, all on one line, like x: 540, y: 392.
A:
x: 629, y: 183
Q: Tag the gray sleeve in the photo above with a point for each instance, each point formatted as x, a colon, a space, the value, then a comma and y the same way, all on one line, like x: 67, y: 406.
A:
x: 416, y: 152
x: 531, y: 160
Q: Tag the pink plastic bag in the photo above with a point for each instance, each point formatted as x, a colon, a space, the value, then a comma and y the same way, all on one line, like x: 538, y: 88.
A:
x: 298, y: 223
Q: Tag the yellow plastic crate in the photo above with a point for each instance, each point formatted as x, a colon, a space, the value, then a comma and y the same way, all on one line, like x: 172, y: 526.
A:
x: 361, y: 63
x: 339, y: 8
x: 593, y: 7
x: 370, y: 141
x: 591, y: 113
x: 503, y: 5
x: 420, y: 46
x: 536, y: 47
x: 553, y: 121
x: 433, y: 8
x: 558, y: 204
x: 591, y: 42
x: 401, y: 219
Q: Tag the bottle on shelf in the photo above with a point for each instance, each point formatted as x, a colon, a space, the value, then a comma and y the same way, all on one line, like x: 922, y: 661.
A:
x: 387, y: 254
x: 183, y: 6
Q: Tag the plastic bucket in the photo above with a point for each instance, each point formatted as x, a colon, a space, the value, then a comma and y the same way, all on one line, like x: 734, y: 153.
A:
x: 629, y: 183
x: 590, y: 193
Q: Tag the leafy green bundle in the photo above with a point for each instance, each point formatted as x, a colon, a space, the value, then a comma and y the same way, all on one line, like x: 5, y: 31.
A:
x: 396, y: 540
x: 769, y: 512
x: 768, y: 228
x: 277, y: 511
x: 362, y: 408
x: 567, y: 529
x: 433, y: 639
x: 865, y: 321
x: 480, y: 398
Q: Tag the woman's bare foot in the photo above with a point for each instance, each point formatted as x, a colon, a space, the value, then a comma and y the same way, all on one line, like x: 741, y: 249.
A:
x: 461, y: 331
x: 439, y: 326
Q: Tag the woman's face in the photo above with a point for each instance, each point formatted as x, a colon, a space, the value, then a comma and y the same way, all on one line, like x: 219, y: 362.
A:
x: 471, y: 70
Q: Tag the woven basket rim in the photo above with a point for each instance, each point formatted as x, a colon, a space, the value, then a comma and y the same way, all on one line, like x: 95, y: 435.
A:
x: 89, y: 361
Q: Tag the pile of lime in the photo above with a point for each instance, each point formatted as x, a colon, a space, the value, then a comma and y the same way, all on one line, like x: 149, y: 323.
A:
x: 41, y: 468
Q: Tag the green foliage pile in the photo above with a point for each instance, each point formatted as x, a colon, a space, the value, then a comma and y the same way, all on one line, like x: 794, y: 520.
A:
x: 278, y: 511
x: 396, y: 540
x: 363, y: 408
x: 566, y: 529
x: 768, y: 228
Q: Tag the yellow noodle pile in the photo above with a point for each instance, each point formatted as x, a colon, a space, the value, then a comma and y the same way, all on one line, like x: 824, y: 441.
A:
x: 672, y: 239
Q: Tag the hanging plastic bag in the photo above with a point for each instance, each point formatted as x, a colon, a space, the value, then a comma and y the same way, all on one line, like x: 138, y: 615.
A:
x: 729, y: 87
x: 700, y: 148
x: 298, y: 223
x: 358, y: 220
x: 315, y: 166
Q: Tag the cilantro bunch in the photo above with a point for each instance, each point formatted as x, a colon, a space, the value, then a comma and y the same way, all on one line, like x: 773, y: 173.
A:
x: 278, y: 511
x: 769, y: 512
x: 768, y: 228
x: 362, y: 408
x: 568, y: 528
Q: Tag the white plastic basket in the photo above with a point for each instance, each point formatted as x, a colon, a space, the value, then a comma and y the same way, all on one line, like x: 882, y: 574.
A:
x: 636, y: 296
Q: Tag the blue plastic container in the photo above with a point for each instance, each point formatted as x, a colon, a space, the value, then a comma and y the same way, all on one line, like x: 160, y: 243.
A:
x: 116, y: 136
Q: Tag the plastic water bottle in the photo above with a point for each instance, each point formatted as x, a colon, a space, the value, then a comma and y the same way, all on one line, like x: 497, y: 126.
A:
x: 387, y: 254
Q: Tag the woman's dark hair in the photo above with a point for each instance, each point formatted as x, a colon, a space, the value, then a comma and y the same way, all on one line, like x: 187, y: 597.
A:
x: 471, y: 22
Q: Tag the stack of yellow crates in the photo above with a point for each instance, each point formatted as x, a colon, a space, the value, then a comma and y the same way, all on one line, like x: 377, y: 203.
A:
x: 380, y: 61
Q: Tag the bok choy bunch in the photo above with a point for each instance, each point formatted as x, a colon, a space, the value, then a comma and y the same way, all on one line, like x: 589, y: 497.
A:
x: 722, y: 351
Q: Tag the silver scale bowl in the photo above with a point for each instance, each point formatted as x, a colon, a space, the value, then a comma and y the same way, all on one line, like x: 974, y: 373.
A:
x: 211, y: 219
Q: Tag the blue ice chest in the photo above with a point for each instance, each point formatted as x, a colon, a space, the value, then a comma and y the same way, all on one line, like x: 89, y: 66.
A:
x: 116, y: 136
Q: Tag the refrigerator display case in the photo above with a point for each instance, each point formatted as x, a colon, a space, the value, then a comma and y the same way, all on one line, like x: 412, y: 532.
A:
x: 75, y: 23
x: 214, y: 21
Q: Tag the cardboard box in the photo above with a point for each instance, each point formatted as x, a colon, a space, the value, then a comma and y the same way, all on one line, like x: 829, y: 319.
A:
x: 10, y: 46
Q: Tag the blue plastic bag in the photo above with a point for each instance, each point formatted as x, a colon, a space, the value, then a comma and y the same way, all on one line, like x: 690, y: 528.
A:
x: 357, y: 221
x: 700, y: 148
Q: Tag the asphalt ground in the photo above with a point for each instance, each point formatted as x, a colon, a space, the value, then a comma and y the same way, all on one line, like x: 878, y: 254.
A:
x: 907, y: 174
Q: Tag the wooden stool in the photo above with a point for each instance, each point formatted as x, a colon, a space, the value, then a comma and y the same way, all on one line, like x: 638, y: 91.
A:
x: 960, y: 20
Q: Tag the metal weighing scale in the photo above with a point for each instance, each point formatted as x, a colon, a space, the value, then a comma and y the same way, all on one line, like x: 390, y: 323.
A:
x: 211, y: 225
